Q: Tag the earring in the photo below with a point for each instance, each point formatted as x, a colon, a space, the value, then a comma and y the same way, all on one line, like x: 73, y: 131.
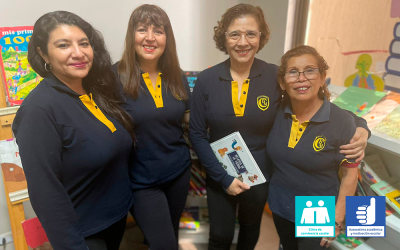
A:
x: 323, y: 91
x: 45, y: 67
x: 283, y: 95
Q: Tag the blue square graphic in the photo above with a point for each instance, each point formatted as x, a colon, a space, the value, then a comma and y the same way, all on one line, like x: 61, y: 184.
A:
x: 315, y: 216
x: 365, y: 216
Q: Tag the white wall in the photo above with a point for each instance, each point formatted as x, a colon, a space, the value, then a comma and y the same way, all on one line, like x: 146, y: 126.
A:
x: 192, y: 22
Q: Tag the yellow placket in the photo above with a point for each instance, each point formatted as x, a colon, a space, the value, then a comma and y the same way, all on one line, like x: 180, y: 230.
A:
x: 89, y: 103
x: 296, y: 131
x: 240, y: 105
x: 155, y: 93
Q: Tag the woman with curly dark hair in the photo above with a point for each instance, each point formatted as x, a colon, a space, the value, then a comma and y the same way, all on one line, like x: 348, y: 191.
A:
x: 240, y: 94
x: 74, y: 138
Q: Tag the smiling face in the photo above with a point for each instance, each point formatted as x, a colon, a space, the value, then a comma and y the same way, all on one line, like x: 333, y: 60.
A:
x: 242, y: 51
x: 303, y: 89
x: 69, y: 54
x: 150, y: 42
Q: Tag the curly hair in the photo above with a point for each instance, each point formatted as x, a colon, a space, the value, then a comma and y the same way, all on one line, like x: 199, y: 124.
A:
x: 100, y: 80
x: 302, y: 50
x: 128, y: 67
x: 237, y: 11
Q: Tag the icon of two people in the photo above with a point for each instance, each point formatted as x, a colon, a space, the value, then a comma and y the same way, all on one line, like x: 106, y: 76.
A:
x: 310, y: 213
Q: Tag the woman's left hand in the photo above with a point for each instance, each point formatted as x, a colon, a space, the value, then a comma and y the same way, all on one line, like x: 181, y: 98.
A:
x: 357, y: 145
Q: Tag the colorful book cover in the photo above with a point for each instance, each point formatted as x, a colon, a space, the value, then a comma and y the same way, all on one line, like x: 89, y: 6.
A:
x: 349, y: 242
x: 236, y: 159
x: 35, y: 235
x: 191, y: 77
x: 392, y: 194
x: 382, y: 108
x: 390, y: 125
x: 190, y: 218
x: 18, y: 77
x: 358, y: 100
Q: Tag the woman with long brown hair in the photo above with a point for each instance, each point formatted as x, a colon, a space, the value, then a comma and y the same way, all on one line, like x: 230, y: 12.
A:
x: 157, y: 98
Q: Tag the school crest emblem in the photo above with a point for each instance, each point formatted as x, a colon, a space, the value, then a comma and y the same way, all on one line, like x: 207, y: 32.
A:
x: 263, y: 102
x: 319, y: 143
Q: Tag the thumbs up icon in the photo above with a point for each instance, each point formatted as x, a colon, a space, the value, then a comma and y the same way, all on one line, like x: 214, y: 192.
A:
x: 366, y: 213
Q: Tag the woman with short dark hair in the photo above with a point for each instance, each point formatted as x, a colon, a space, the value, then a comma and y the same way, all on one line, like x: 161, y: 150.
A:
x: 157, y: 97
x: 240, y: 94
x: 74, y: 138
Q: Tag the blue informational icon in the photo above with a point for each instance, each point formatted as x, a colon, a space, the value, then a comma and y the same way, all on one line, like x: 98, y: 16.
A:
x: 365, y: 216
x: 315, y: 216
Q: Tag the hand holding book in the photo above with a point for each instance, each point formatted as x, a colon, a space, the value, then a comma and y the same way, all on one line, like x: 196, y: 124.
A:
x: 237, y: 187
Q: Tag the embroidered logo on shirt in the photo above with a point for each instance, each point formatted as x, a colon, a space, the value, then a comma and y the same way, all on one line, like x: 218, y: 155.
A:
x: 319, y: 143
x: 263, y: 102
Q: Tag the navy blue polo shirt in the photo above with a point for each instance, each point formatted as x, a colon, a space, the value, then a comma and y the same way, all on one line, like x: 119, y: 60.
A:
x: 161, y: 152
x: 75, y: 159
x: 306, y: 156
x: 215, y: 105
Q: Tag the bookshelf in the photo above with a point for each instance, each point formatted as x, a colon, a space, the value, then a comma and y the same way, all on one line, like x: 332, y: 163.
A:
x: 389, y: 150
x: 201, y: 234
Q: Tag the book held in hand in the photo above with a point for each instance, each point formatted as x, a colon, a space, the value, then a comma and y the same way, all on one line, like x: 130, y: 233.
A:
x: 236, y: 159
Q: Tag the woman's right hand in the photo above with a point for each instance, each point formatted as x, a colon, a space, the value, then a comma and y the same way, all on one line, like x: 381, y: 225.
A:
x: 237, y: 187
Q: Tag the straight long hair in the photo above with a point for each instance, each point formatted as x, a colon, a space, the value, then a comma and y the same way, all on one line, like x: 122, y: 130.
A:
x: 100, y: 80
x: 168, y: 63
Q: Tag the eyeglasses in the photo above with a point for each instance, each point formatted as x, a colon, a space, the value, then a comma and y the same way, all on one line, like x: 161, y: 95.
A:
x: 293, y: 75
x: 251, y: 35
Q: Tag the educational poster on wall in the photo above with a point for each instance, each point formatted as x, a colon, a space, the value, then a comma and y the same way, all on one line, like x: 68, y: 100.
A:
x: 358, y: 100
x: 18, y: 77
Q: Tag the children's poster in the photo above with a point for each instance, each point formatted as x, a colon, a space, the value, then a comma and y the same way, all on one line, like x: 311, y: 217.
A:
x: 358, y: 100
x: 18, y: 77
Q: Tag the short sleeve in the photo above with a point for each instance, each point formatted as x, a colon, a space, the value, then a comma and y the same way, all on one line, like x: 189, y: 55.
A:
x: 346, y: 135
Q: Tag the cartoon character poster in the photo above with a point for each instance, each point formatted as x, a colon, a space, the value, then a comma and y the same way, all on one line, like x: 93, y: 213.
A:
x: 18, y: 77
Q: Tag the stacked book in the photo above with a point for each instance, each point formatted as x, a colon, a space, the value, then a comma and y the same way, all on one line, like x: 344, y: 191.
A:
x: 374, y: 178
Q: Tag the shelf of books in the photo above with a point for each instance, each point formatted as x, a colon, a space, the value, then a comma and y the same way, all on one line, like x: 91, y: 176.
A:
x: 194, y: 225
x: 380, y: 169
